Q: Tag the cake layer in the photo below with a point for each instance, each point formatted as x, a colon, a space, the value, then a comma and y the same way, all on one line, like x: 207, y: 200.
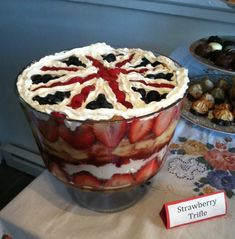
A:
x: 108, y: 170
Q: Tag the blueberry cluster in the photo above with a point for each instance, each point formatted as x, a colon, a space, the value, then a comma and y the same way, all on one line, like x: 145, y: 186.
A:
x: 52, y: 99
x: 145, y: 62
x: 149, y: 96
x: 36, y: 79
x: 166, y: 76
x: 73, y: 60
x: 109, y: 58
x: 100, y: 102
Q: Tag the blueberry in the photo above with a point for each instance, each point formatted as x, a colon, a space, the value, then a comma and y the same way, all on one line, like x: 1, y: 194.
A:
x: 144, y: 62
x: 156, y: 76
x: 73, y: 60
x: 101, y: 98
x: 102, y: 102
x: 46, y: 78
x: 52, y: 99
x: 93, y: 105
x: 110, y: 57
x: 141, y: 91
x: 150, y: 76
x: 36, y: 79
x: 160, y: 76
x: 59, y: 95
x: 163, y: 96
x: 107, y: 105
x: 156, y: 63
x: 134, y: 88
x: 152, y: 96
x: 168, y: 76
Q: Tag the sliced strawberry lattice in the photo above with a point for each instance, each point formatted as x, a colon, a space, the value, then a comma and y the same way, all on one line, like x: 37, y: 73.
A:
x: 146, y: 171
x: 139, y: 129
x: 81, y: 138
x: 110, y: 133
x: 163, y: 120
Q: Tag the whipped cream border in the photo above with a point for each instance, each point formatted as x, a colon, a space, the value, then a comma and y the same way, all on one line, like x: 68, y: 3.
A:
x: 24, y: 83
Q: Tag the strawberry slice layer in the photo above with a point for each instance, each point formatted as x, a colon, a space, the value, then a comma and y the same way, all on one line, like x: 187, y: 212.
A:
x: 146, y: 171
x: 139, y: 129
x: 57, y: 170
x: 119, y: 180
x: 85, y: 179
x: 163, y: 120
x: 81, y: 138
x: 49, y: 129
x: 110, y: 134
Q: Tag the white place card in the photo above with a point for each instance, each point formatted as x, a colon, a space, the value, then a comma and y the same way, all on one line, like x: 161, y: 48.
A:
x: 194, y: 209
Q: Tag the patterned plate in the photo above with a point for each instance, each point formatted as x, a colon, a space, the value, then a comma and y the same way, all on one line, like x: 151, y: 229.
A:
x: 204, y: 121
x: 207, y: 62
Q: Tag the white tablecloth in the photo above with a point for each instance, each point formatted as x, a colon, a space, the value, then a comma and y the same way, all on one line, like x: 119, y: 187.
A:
x: 199, y: 162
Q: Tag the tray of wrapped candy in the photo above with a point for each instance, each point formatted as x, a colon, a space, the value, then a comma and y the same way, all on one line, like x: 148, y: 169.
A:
x: 216, y: 52
x: 210, y: 102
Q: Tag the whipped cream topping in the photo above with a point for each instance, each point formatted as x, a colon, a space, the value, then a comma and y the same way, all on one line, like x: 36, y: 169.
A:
x: 108, y: 170
x: 79, y: 84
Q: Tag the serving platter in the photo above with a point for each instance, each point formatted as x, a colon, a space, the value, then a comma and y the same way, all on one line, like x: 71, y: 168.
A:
x: 206, y: 61
x: 203, y: 121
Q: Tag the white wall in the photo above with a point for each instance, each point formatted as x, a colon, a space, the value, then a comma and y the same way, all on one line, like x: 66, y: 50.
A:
x: 30, y: 29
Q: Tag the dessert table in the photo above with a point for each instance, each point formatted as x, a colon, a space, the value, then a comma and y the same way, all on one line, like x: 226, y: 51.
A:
x: 200, y: 161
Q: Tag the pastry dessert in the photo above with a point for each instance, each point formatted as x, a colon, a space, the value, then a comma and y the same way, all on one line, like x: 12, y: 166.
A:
x: 218, y: 94
x: 103, y: 117
x: 216, y: 103
x: 200, y: 107
x: 195, y: 91
x: 206, y: 85
x: 210, y: 100
x: 222, y: 116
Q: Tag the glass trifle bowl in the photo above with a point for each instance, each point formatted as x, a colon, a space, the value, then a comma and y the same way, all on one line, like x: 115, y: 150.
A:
x: 103, y: 119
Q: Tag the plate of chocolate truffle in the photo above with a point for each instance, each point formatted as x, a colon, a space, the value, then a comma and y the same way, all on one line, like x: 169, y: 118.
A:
x: 230, y: 3
x: 210, y: 102
x: 217, y: 52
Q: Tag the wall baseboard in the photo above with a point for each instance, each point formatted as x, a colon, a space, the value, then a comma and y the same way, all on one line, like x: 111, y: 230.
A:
x: 22, y: 159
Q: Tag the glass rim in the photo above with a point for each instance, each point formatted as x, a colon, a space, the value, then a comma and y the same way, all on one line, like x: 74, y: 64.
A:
x: 102, y: 120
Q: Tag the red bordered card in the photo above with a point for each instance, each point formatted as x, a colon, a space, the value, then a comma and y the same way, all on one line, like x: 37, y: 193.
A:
x: 194, y: 209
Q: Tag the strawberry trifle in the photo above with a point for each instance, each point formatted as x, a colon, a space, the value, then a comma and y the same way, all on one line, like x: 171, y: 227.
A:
x: 103, y: 117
